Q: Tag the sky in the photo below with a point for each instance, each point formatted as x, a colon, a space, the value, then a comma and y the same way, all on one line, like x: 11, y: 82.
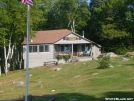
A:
x: 88, y: 0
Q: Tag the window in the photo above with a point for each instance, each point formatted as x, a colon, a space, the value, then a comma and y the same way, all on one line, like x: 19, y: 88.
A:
x: 87, y: 48
x: 46, y: 48
x: 62, y: 47
x: 38, y: 48
x: 41, y: 48
x: 33, y: 48
x: 66, y: 48
x: 83, y: 47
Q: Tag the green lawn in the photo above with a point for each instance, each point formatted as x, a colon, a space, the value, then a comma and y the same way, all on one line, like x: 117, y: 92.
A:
x: 78, y: 80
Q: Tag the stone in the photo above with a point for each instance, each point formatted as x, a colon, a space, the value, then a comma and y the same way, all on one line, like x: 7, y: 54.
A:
x: 129, y: 54
x: 18, y: 83
x: 111, y: 66
x: 30, y: 75
x: 52, y: 90
x: 125, y: 59
x: 94, y: 73
x: 77, y: 76
x: 58, y: 69
x: 111, y: 54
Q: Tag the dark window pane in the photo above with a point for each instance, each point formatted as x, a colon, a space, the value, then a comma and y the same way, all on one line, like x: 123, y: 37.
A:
x: 41, y: 48
x: 46, y: 48
x: 83, y: 47
x: 87, y: 48
x: 62, y: 47
x: 66, y: 48
x: 34, y: 48
x: 30, y: 49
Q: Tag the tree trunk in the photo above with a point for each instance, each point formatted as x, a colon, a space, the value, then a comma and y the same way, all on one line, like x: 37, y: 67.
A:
x: 73, y: 25
x: 6, y: 55
x: 5, y: 67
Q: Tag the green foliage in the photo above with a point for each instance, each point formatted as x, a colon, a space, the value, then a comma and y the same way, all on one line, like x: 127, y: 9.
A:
x: 112, y: 22
x: 121, y: 50
x: 104, y: 62
x: 59, y: 57
x: 66, y: 57
x: 64, y: 12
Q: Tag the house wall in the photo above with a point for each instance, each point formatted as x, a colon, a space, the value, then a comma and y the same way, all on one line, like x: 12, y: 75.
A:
x: 38, y: 58
x: 96, y: 51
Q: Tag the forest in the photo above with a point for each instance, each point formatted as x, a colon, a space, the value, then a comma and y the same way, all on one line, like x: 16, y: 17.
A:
x: 107, y: 22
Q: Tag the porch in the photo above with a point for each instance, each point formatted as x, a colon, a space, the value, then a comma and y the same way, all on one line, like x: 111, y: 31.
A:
x: 74, y: 50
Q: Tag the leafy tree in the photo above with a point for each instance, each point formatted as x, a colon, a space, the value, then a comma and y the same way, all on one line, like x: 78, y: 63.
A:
x: 13, y: 26
x: 108, y: 23
x: 68, y: 14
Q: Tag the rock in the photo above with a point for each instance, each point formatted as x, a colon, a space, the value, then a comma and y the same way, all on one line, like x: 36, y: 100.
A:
x: 125, y: 59
x: 58, y: 69
x: 111, y: 54
x: 18, y: 83
x: 129, y: 54
x: 111, y: 66
x: 77, y: 76
x: 52, y: 90
x: 94, y: 73
x: 30, y: 75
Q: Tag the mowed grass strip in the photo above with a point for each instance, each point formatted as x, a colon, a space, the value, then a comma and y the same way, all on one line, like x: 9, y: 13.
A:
x: 77, y: 80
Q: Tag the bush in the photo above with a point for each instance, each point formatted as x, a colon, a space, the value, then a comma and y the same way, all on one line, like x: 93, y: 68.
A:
x: 104, y: 62
x: 66, y: 57
x: 59, y: 57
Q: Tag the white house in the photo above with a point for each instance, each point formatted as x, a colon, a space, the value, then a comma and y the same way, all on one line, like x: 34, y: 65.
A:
x: 46, y: 45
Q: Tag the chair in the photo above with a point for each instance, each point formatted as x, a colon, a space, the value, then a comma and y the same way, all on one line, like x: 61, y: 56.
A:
x: 80, y: 54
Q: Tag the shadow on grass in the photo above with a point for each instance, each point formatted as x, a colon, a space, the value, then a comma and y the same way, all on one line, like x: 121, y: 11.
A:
x: 113, y: 95
x: 81, y: 97
x: 128, y: 64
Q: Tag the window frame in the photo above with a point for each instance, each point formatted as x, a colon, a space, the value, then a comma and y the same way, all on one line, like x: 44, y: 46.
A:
x: 33, y: 48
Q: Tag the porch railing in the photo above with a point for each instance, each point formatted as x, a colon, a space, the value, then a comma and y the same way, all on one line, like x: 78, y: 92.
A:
x: 79, y: 54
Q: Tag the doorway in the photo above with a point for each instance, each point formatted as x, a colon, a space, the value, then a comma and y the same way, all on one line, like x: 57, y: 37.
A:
x: 75, y: 47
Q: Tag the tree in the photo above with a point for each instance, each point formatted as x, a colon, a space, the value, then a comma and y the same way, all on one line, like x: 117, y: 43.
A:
x: 13, y: 27
x: 68, y: 14
x: 108, y: 23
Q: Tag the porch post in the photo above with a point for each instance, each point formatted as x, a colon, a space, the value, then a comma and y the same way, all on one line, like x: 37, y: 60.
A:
x: 72, y: 52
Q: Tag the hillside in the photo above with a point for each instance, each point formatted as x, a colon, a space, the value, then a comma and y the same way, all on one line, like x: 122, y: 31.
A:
x: 77, y: 80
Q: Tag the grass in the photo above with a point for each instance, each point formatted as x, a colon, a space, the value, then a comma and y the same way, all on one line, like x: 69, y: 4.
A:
x: 78, y: 80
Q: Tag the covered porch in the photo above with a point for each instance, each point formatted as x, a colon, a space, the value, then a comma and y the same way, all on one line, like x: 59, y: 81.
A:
x: 74, y: 49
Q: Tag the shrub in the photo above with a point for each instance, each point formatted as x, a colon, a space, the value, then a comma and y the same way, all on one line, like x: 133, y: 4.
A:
x: 59, y: 57
x: 104, y: 62
x: 66, y: 57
